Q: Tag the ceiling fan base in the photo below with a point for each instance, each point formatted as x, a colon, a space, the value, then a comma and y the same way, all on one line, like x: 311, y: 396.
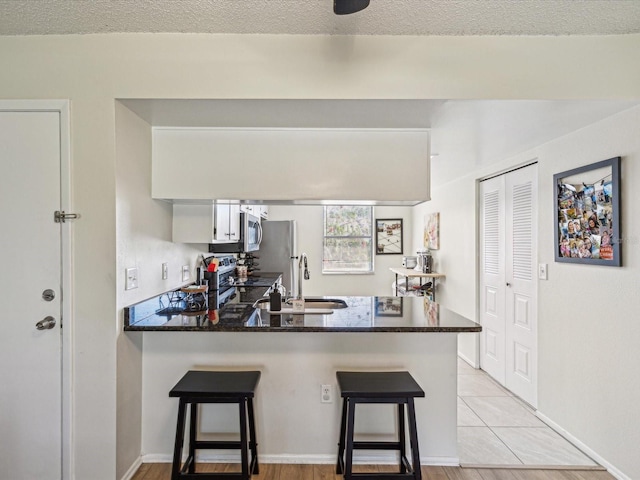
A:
x: 346, y: 7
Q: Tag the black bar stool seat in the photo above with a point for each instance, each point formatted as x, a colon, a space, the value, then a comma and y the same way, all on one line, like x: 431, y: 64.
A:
x: 378, y: 387
x: 215, y: 387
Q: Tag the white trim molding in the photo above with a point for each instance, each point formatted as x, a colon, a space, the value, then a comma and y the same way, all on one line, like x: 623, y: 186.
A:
x: 585, y: 448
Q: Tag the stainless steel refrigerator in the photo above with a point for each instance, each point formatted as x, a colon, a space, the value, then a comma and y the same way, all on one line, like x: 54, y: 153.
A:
x: 279, y: 252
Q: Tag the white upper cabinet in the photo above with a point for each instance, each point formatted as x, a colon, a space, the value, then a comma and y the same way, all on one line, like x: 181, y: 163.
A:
x: 296, y: 165
x: 251, y: 209
x: 227, y: 223
x: 260, y: 211
x: 210, y: 223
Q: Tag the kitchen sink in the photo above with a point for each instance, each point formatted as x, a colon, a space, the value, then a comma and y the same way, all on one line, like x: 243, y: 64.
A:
x: 332, y: 303
x: 309, y: 303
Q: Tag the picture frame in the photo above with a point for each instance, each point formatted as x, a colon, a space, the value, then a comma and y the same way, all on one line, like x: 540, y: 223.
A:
x: 432, y: 231
x: 587, y: 221
x: 389, y: 236
x: 388, y: 306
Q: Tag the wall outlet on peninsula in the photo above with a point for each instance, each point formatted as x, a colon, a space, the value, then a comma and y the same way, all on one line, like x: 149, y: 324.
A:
x: 326, y: 394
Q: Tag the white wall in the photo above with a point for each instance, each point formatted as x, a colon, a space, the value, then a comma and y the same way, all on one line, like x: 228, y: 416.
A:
x: 310, y: 231
x: 587, y: 330
x: 292, y: 424
x: 456, y: 257
x: 143, y: 240
x: 93, y: 70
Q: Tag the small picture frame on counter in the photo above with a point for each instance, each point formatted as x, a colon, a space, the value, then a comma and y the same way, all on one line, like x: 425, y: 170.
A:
x: 388, y: 306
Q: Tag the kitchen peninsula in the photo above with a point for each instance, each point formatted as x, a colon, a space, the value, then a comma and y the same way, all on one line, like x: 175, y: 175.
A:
x: 296, y: 355
x: 363, y: 314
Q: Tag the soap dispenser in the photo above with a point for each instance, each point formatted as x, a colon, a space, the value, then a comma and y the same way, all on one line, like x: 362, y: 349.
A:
x: 275, y: 300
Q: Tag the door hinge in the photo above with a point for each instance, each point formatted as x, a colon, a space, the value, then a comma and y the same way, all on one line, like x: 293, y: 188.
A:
x: 61, y: 216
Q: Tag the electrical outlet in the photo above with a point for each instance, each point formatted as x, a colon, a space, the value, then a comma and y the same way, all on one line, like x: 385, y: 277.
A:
x: 326, y: 394
x: 165, y: 271
x: 131, y: 278
x: 185, y: 273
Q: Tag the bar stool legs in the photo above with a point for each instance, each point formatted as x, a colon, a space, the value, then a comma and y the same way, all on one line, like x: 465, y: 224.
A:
x: 247, y: 444
x: 380, y: 388
x: 198, y: 387
x: 254, y: 467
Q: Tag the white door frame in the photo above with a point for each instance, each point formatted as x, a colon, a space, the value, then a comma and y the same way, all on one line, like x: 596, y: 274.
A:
x: 62, y: 108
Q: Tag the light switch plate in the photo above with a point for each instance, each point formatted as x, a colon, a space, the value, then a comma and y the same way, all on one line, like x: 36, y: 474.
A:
x: 165, y: 271
x: 185, y: 273
x: 131, y: 278
x: 542, y: 271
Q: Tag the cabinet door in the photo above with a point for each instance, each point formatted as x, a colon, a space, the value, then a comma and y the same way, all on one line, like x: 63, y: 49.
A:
x: 222, y: 231
x: 227, y: 222
x: 234, y: 222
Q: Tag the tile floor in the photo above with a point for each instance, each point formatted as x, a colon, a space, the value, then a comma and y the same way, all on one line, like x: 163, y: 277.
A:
x: 497, y: 428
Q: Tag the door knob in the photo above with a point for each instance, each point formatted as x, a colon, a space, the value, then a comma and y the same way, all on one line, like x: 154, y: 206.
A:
x: 47, y: 323
x: 508, y: 284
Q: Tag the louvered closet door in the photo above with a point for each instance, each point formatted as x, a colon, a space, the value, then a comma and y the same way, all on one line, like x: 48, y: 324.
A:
x: 508, y: 288
x: 492, y: 289
x: 521, y: 291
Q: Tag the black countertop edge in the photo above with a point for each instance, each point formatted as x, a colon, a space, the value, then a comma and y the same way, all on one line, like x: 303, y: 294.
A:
x: 214, y: 328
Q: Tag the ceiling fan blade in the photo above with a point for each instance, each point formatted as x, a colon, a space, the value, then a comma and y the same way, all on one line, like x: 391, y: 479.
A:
x: 345, y: 7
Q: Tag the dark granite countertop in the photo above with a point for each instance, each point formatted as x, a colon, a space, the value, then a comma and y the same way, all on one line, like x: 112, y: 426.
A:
x: 260, y: 279
x: 256, y: 286
x: 364, y: 314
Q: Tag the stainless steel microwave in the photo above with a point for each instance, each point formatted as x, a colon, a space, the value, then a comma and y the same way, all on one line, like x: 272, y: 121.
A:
x: 251, y: 232
x: 250, y: 237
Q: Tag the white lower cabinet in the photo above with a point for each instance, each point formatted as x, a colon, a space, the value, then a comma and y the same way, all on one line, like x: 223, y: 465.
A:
x: 211, y: 223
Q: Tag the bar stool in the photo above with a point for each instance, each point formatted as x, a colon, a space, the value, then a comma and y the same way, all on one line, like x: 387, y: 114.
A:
x: 378, y: 387
x: 215, y: 387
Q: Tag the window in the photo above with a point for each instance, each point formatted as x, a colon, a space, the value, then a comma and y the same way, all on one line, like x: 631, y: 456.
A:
x: 348, y: 239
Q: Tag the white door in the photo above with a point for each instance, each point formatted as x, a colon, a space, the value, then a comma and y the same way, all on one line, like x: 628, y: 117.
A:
x: 492, y: 284
x: 30, y: 246
x: 508, y: 300
x: 521, y: 286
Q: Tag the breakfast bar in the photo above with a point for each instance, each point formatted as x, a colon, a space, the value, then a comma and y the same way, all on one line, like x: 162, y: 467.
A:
x: 297, y: 355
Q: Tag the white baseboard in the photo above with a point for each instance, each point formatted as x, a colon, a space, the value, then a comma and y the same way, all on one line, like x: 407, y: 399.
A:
x: 381, y: 459
x: 471, y: 363
x: 585, y: 448
x: 132, y: 469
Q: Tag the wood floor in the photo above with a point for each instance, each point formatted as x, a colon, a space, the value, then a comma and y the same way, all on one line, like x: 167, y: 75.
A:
x: 276, y: 471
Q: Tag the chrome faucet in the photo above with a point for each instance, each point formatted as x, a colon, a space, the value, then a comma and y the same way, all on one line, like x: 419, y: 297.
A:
x: 303, y: 261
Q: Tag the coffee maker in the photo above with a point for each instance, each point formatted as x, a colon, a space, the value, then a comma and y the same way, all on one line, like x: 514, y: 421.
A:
x: 425, y: 261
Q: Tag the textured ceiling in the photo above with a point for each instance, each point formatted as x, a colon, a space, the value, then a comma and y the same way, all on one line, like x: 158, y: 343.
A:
x: 382, y: 17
